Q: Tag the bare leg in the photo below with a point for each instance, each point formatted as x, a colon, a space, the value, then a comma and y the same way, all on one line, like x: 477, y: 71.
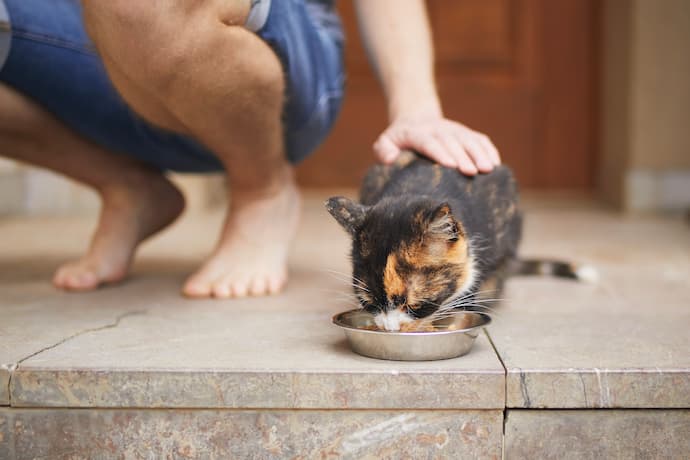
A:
x: 225, y: 86
x: 136, y: 201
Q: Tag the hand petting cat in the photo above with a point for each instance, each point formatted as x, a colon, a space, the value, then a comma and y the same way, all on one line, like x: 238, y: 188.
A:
x: 445, y: 141
x: 397, y: 38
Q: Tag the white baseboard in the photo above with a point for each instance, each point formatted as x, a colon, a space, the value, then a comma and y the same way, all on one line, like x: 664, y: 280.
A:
x: 11, y: 193
x: 647, y: 190
x: 32, y: 191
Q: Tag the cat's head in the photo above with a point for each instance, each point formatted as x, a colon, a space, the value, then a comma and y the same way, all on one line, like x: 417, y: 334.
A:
x: 410, y: 257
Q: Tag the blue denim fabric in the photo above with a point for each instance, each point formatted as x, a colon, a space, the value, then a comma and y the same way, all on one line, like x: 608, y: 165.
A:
x: 312, y: 59
x: 52, y: 60
x: 5, y: 33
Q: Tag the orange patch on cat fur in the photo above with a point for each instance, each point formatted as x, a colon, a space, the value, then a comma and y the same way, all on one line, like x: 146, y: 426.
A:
x: 435, y: 252
x: 417, y: 287
x: 393, y: 284
x: 405, y: 158
x: 436, y: 181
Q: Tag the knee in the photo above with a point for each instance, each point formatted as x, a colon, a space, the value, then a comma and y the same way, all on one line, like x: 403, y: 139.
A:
x: 103, y: 17
x: 188, y: 50
x: 132, y: 12
x: 229, y: 64
x: 257, y: 70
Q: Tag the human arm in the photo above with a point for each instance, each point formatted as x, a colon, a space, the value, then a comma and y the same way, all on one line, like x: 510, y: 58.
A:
x: 397, y: 38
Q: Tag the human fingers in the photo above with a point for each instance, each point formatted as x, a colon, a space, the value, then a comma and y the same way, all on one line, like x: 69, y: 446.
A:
x: 480, y: 156
x: 422, y: 139
x: 470, y: 141
x: 429, y: 145
x: 386, y: 149
x: 491, y: 148
x: 455, y: 148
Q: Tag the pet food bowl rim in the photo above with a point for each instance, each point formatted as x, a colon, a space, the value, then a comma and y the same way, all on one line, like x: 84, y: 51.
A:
x: 337, y: 321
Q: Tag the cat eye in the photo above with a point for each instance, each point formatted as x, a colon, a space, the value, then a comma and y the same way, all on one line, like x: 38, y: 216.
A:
x: 374, y: 310
x: 422, y: 310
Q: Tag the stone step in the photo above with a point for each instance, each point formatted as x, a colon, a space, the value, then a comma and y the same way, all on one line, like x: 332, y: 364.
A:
x: 138, y: 356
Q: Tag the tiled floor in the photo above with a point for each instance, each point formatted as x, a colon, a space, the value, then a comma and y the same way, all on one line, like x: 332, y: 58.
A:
x: 622, y: 343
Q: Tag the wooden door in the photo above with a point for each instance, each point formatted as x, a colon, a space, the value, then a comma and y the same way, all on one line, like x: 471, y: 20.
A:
x: 521, y: 71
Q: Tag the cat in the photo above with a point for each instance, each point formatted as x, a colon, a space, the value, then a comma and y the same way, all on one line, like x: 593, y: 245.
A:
x: 427, y: 240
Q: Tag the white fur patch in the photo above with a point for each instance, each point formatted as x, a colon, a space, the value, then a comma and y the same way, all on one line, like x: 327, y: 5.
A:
x: 391, y: 320
x: 472, y: 273
x: 587, y: 274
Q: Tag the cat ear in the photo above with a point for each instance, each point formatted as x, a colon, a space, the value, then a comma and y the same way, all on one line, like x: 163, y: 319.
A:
x: 442, y: 224
x: 349, y: 214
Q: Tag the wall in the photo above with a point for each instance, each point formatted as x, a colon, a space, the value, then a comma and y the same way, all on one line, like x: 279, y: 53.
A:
x: 645, y: 144
x: 30, y: 191
x: 644, y: 116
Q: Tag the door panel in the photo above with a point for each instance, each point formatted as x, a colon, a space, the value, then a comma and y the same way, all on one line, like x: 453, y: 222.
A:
x: 522, y: 71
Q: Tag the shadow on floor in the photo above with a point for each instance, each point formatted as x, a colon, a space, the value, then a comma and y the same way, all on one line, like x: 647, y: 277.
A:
x: 38, y: 269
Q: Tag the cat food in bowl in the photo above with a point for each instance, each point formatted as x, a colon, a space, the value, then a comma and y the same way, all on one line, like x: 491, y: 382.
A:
x: 443, y: 339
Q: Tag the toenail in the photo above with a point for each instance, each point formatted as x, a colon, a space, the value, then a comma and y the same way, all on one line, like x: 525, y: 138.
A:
x: 240, y: 291
x: 221, y: 292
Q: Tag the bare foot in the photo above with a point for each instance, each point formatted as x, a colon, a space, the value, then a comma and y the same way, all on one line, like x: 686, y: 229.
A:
x: 251, y: 258
x: 131, y: 211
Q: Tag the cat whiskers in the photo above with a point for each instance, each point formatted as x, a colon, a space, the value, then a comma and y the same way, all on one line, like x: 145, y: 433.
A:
x: 466, y: 302
x: 349, y: 279
x: 472, y: 303
x: 349, y: 298
x: 475, y: 293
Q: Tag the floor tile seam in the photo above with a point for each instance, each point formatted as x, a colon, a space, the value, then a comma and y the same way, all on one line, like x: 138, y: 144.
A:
x: 248, y: 409
x: 505, y: 368
x: 599, y: 409
x: 596, y: 370
x: 507, y: 410
x: 221, y: 372
x: 9, y: 368
x: 504, y: 411
x: 15, y: 366
x: 258, y: 405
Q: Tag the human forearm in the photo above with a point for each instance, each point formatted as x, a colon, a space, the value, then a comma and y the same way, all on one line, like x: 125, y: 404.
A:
x: 397, y: 38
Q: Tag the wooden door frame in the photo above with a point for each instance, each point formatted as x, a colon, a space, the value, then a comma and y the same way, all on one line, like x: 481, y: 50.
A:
x: 562, y: 86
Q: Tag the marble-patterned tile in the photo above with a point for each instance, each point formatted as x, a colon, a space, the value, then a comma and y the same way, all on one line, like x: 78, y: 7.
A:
x: 5, y: 385
x: 270, y: 353
x: 140, y: 344
x: 620, y: 343
x: 596, y: 434
x: 599, y: 388
x: 34, y: 317
x: 86, y: 434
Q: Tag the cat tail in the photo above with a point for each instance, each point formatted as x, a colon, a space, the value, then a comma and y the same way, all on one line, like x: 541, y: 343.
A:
x: 544, y: 267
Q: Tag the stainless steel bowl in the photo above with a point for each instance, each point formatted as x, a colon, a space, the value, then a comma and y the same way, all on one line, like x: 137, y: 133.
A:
x: 454, y: 337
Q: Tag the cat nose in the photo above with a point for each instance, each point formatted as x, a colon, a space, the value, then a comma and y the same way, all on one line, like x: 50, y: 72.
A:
x: 396, y: 301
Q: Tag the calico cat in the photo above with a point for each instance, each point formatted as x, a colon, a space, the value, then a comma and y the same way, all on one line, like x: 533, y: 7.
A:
x: 427, y: 240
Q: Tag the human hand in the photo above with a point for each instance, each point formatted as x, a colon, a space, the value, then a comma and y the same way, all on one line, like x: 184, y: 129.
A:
x: 445, y: 141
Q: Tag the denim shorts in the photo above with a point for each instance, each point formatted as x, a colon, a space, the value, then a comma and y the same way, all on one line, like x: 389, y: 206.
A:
x: 52, y: 61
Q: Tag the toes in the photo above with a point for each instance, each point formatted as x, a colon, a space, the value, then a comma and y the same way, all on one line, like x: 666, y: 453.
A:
x: 240, y: 289
x: 222, y: 290
x: 276, y: 284
x: 196, y: 288
x: 84, y: 281
x: 75, y: 279
x: 206, y: 284
x: 59, y: 278
x: 258, y: 286
x: 267, y: 285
